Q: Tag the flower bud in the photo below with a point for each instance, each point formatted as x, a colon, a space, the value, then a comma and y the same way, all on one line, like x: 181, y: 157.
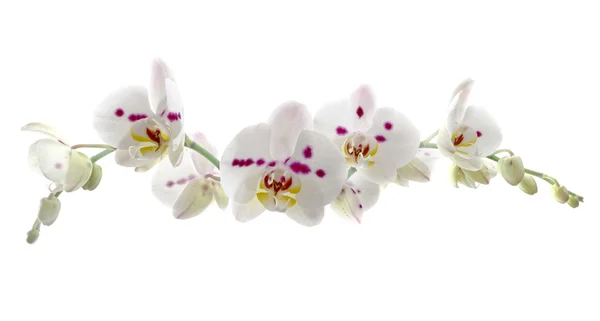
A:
x: 482, y: 176
x: 32, y: 236
x: 528, y: 185
x: 49, y: 209
x: 560, y: 193
x: 512, y: 169
x: 94, y: 179
x: 573, y: 201
x: 80, y: 169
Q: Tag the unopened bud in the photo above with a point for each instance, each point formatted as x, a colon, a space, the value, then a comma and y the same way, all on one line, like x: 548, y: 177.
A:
x: 49, y: 209
x: 482, y: 176
x: 80, y: 169
x: 94, y: 179
x: 512, y: 169
x: 560, y: 193
x: 573, y: 201
x: 528, y: 185
x: 32, y: 236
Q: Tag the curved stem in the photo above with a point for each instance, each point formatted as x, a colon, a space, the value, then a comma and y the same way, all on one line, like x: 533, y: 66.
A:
x: 549, y: 179
x: 200, y: 150
x: 92, y: 146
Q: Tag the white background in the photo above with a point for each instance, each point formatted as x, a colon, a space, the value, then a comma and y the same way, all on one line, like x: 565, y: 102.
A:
x: 430, y: 252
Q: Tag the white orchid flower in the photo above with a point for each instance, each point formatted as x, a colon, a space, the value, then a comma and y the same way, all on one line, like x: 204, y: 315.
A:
x: 375, y: 141
x: 144, y: 127
x: 470, y: 133
x: 419, y: 168
x: 66, y: 168
x: 357, y: 196
x: 192, y: 186
x: 472, y: 179
x: 282, y: 166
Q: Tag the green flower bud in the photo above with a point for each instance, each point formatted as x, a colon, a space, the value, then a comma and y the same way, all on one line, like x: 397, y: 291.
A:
x: 512, y: 169
x: 49, y: 209
x: 94, y: 179
x: 528, y: 185
x: 560, y: 193
x: 32, y: 236
x: 573, y: 201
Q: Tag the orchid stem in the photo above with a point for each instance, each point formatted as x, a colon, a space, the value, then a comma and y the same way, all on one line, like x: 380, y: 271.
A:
x: 189, y: 143
x: 430, y: 137
x: 92, y: 146
x: 510, y: 152
x: 549, y: 179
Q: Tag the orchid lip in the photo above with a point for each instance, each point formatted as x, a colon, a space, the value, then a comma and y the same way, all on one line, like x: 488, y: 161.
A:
x: 359, y: 149
x: 277, y: 189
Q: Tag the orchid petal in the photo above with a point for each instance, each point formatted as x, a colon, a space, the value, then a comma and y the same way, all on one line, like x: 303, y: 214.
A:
x: 44, y: 129
x: 220, y: 196
x: 444, y: 143
x: 51, y: 158
x: 245, y: 212
x: 243, y: 162
x: 321, y: 168
x: 335, y: 121
x: 203, y: 165
x: 160, y: 73
x: 487, y: 130
x: 362, y: 108
x: 458, y: 103
x: 347, y: 205
x: 194, y: 199
x: 367, y: 191
x: 168, y: 182
x: 79, y: 171
x: 287, y: 121
x: 305, y: 216
x: 122, y: 108
x: 471, y: 164
x: 171, y: 113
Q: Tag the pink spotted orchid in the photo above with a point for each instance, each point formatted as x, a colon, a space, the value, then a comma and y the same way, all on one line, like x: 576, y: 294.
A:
x: 282, y: 166
x: 470, y: 133
x: 144, y: 127
x: 357, y: 196
x: 374, y: 141
x: 67, y: 169
x: 192, y: 186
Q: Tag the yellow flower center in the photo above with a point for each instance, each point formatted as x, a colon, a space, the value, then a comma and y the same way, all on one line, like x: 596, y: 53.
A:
x: 277, y: 189
x: 359, y: 149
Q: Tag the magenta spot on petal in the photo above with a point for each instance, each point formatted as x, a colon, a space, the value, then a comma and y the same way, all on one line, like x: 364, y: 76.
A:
x: 119, y: 112
x: 163, y: 112
x: 358, y: 191
x: 320, y: 173
x: 235, y: 162
x: 181, y: 181
x: 60, y: 141
x: 191, y: 177
x: 58, y: 165
x: 300, y: 168
x: 170, y: 183
x: 260, y: 161
x: 249, y: 162
x: 360, y: 205
x: 380, y: 138
x: 360, y: 112
x: 286, y: 160
x: 308, y: 152
x: 479, y: 134
x: 388, y: 125
x: 353, y: 191
x: 341, y: 130
x: 242, y: 163
x: 273, y: 163
x: 282, y: 178
x: 179, y: 115
x: 172, y: 117
x: 136, y: 117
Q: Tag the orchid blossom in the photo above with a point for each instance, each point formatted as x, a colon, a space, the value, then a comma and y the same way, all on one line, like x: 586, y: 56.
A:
x: 357, y: 196
x: 67, y: 169
x: 144, y: 127
x: 282, y: 166
x: 418, y: 169
x: 192, y: 186
x: 470, y: 132
x: 374, y: 141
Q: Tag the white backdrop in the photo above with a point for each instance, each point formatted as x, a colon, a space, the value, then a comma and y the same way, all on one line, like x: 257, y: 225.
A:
x: 429, y: 252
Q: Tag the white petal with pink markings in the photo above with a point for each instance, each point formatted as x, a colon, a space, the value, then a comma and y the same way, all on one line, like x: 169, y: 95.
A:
x: 470, y: 133
x: 357, y: 196
x: 283, y: 167
x: 374, y: 141
x: 126, y: 119
x: 188, y: 188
